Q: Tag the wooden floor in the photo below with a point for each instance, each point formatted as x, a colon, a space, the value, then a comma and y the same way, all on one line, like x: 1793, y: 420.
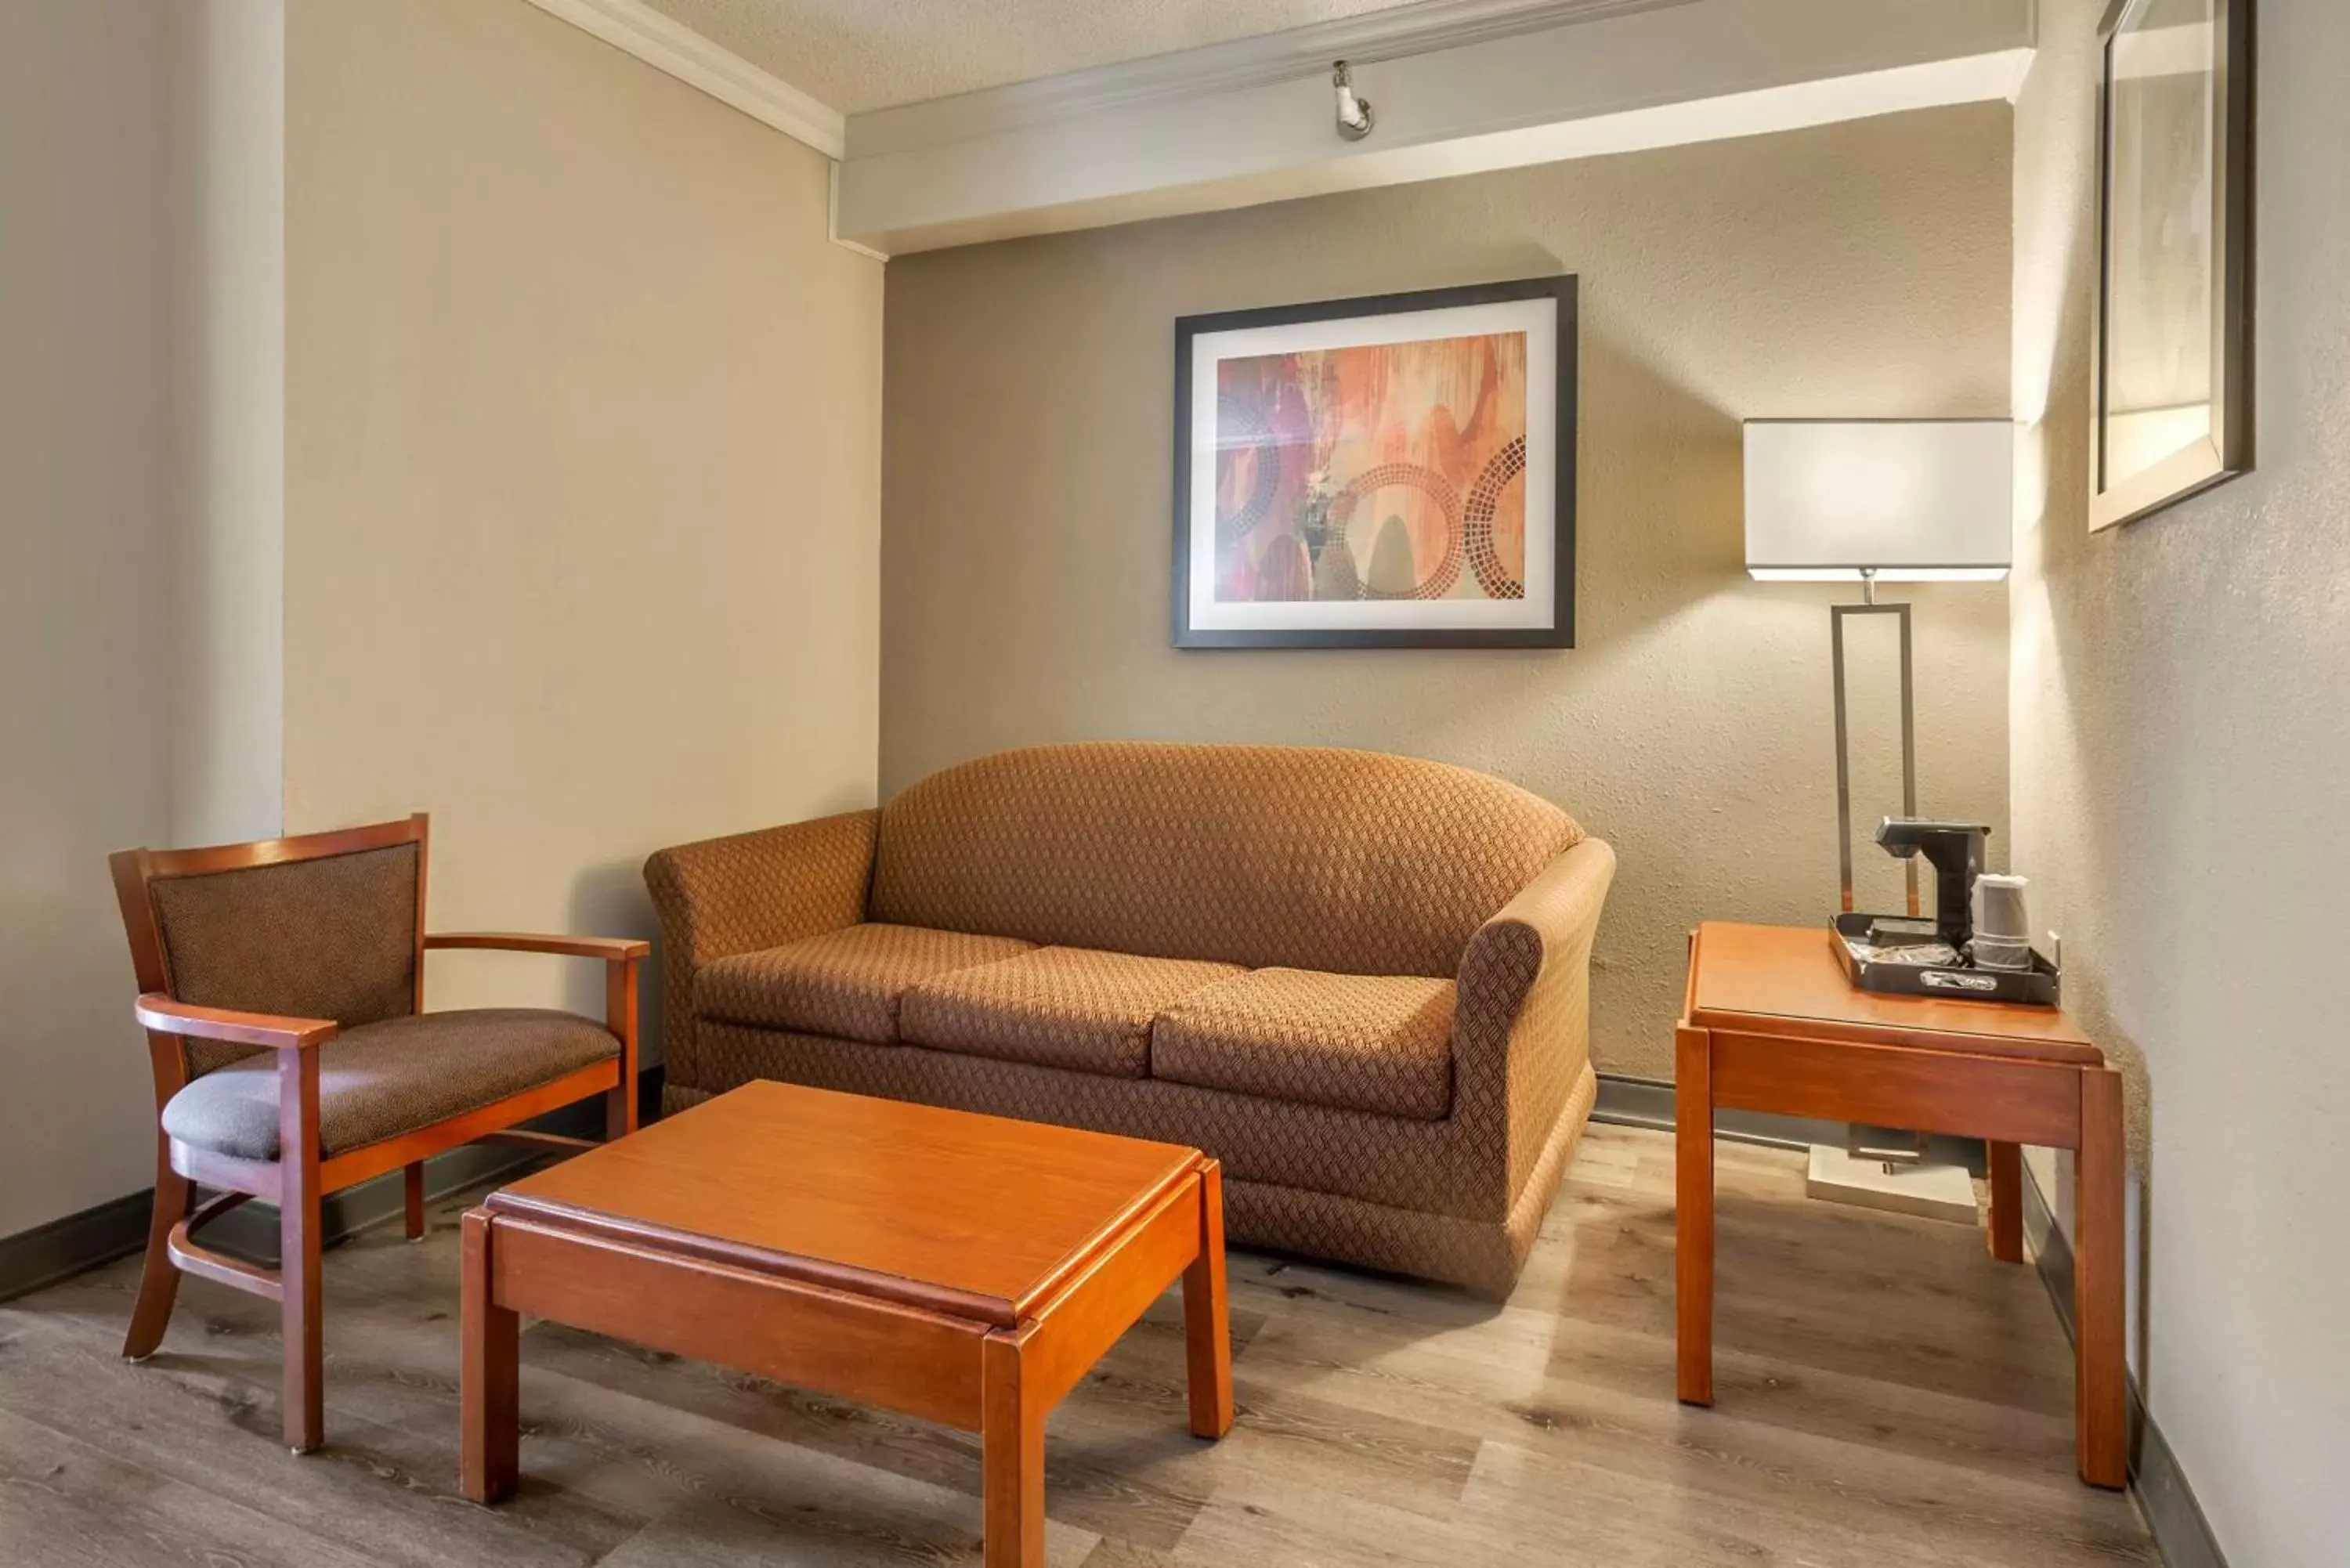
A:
x: 1888, y: 1397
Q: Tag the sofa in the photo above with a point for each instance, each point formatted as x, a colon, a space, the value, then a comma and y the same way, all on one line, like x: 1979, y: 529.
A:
x: 1360, y: 982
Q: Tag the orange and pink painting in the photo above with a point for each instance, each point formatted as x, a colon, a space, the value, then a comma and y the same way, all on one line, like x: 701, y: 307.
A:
x: 1393, y: 470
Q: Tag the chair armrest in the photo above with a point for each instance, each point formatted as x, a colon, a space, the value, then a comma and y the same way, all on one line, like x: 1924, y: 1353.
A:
x: 165, y: 1016
x: 745, y: 893
x: 611, y: 950
x: 1521, y: 1029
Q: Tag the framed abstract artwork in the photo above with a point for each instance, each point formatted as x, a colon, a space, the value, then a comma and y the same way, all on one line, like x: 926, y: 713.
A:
x: 1393, y: 471
x: 2171, y: 409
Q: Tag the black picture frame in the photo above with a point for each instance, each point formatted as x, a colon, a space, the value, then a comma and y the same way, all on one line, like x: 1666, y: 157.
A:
x: 2227, y: 450
x: 1559, y: 633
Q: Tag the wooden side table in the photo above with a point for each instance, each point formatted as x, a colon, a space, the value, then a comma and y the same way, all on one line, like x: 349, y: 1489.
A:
x: 1769, y: 1022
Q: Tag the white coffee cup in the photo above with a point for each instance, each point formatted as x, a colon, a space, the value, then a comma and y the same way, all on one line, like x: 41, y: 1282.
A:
x: 2002, y: 928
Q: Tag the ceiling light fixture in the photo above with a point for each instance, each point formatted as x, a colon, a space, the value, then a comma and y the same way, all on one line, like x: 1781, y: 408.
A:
x: 1354, y: 113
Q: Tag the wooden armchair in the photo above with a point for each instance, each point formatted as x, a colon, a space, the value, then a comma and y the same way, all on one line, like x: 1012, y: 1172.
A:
x: 282, y: 989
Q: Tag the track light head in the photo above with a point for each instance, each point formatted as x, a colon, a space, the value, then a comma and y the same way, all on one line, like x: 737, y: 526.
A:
x: 1354, y: 113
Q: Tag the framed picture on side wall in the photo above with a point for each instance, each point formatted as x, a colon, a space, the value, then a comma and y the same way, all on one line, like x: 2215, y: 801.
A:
x: 1391, y: 471
x: 2172, y: 400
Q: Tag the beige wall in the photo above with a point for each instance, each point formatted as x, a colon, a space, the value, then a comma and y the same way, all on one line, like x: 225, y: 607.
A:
x: 141, y: 414
x: 582, y: 467
x: 1855, y: 269
x: 84, y: 599
x: 2181, y: 753
x: 227, y: 549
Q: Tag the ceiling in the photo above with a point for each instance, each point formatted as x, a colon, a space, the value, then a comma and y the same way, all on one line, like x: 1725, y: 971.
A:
x: 859, y: 55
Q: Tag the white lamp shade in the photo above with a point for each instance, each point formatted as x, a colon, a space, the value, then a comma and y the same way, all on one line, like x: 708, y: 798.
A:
x: 1906, y: 500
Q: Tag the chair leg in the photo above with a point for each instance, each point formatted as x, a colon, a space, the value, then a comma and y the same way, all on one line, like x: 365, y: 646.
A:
x: 620, y: 1018
x: 414, y: 1178
x: 302, y: 1395
x: 303, y: 1392
x: 159, y: 1284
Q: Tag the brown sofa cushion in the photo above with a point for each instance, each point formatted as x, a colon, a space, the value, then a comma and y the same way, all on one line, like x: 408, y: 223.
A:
x: 1056, y: 1007
x: 381, y: 1080
x: 1307, y: 857
x: 1381, y: 1043
x: 844, y: 982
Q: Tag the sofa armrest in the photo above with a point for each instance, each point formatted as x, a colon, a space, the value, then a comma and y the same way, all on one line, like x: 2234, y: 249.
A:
x: 747, y: 892
x: 1521, y: 1028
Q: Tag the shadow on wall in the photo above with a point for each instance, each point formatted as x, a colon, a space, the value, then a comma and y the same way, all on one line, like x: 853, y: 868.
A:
x: 610, y: 900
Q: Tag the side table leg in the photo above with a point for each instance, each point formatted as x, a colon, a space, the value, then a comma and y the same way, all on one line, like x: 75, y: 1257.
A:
x: 2006, y: 1162
x: 2101, y: 1370
x: 488, y: 1373
x: 1012, y: 1453
x: 1207, y: 1332
x: 1693, y: 1214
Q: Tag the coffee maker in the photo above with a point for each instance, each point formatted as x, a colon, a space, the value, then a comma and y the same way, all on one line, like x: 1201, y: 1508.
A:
x: 1910, y: 956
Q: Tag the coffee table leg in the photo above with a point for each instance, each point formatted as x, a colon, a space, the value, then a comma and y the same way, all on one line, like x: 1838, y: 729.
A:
x: 1694, y: 1214
x: 490, y: 1335
x: 1011, y: 1453
x: 1207, y: 1330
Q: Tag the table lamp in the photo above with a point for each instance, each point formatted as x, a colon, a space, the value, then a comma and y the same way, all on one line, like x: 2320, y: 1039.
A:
x: 1879, y: 501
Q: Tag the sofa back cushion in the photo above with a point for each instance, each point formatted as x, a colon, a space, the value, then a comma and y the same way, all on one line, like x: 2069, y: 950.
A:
x: 1304, y: 858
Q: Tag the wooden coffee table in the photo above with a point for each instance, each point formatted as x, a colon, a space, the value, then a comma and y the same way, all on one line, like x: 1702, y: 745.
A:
x: 965, y: 1268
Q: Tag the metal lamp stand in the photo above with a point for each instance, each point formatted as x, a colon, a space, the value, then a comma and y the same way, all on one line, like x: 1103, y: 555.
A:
x: 1837, y: 616
x: 1880, y: 1167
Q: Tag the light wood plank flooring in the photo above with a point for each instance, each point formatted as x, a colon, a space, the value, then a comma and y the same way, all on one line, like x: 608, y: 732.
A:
x: 1888, y: 1397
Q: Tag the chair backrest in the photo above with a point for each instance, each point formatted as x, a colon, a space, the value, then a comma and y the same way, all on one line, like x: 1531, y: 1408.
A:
x: 1307, y: 857
x: 327, y: 925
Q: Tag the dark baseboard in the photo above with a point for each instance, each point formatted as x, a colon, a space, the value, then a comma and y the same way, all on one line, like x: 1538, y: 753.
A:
x: 2181, y: 1531
x: 63, y: 1248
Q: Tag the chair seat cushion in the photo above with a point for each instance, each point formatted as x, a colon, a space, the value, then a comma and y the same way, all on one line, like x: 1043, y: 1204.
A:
x: 844, y: 983
x: 1381, y: 1043
x: 380, y: 1080
x: 1055, y: 1007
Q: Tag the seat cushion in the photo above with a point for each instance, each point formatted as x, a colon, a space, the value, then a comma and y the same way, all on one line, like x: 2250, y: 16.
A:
x: 1381, y: 1043
x: 381, y: 1080
x: 845, y: 983
x: 1055, y: 1007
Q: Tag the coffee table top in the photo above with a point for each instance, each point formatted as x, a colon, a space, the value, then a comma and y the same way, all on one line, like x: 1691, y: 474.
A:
x: 974, y: 1216
x: 1785, y: 980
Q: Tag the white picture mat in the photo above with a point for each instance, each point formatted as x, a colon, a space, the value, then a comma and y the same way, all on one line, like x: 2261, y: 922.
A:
x: 1537, y: 319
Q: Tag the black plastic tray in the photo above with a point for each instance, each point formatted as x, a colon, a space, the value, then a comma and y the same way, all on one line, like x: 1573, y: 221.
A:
x: 2040, y: 985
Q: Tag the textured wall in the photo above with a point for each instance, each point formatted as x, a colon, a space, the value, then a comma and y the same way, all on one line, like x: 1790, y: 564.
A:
x: 2180, y: 756
x: 582, y: 502
x: 1853, y: 269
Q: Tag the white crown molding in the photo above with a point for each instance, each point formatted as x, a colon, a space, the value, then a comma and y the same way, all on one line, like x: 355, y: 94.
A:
x: 636, y: 28
x: 1387, y: 35
x: 832, y: 217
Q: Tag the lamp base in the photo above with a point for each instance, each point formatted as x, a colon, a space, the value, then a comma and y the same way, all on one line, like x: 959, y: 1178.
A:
x: 1943, y: 1192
